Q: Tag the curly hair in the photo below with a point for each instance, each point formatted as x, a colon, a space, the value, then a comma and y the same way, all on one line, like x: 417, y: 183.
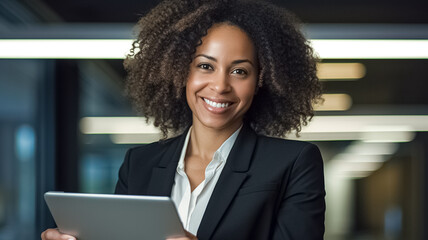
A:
x: 158, y: 64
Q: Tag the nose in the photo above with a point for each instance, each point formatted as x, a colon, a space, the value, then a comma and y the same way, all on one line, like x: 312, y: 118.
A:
x: 220, y: 83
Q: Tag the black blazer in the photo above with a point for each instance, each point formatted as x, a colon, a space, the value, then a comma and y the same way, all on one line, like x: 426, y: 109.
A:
x: 270, y: 188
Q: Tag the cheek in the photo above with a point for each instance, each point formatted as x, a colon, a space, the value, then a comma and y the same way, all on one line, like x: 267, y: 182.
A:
x: 192, y: 87
x: 194, y: 83
x: 189, y: 93
x: 248, y: 91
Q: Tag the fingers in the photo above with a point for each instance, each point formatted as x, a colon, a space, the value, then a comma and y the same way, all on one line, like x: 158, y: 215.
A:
x: 54, y: 234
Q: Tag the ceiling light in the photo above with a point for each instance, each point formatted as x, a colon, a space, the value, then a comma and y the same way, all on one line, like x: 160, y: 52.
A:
x: 364, y: 148
x: 134, y: 138
x: 117, y: 48
x: 116, y: 125
x: 395, y: 128
x: 64, y: 48
x: 340, y: 71
x: 363, y: 123
x: 370, y: 49
x: 334, y: 102
x: 344, y: 166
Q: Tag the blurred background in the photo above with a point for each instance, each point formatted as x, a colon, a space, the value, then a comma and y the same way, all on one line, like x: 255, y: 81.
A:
x: 65, y: 124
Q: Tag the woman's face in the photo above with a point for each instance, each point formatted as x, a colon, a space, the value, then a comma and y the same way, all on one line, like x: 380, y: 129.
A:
x: 222, y: 78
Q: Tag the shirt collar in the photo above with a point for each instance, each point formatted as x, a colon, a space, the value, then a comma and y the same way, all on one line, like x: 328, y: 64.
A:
x: 226, y: 147
x: 223, y: 151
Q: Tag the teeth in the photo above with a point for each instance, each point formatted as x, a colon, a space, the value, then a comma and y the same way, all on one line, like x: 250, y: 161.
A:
x: 216, y: 104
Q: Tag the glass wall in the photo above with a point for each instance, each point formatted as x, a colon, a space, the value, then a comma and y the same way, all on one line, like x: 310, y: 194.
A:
x: 19, y: 97
x: 101, y: 95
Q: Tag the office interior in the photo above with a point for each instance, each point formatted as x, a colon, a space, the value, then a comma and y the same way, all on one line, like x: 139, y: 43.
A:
x: 65, y: 122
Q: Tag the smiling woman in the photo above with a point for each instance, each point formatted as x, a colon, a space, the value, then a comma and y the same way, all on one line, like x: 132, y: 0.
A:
x: 224, y: 74
x: 158, y: 66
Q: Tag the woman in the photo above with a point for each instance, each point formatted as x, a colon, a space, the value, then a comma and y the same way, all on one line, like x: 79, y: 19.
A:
x: 225, y: 74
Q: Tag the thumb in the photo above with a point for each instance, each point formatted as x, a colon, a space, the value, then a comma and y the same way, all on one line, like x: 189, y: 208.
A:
x: 67, y: 237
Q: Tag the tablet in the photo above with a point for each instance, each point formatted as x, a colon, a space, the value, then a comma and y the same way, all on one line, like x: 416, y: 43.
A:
x: 109, y: 216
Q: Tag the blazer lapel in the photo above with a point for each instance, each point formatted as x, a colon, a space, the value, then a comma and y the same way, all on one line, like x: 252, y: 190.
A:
x: 229, y: 182
x: 162, y: 177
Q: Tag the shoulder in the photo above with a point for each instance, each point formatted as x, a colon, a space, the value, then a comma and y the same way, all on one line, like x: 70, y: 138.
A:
x: 289, y: 155
x: 153, y: 147
x: 151, y: 153
x: 281, y: 145
x: 298, y: 161
x: 286, y: 162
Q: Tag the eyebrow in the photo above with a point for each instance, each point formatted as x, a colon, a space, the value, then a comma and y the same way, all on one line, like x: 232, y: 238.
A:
x: 215, y: 60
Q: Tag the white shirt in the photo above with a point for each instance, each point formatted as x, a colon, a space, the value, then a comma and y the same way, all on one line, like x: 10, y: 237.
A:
x: 191, y: 205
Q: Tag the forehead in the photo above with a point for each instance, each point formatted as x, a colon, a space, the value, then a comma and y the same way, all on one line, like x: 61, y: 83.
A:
x: 225, y: 40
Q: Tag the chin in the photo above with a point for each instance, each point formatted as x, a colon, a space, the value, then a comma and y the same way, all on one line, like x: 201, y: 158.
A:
x: 220, y: 125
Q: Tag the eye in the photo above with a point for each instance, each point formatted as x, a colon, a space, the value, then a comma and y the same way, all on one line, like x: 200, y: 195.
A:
x: 239, y: 71
x: 205, y: 66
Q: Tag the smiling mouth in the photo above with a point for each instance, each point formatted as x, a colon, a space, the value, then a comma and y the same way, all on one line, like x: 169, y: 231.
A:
x: 217, y: 104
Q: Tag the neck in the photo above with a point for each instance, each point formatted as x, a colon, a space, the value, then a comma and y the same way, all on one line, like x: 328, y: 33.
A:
x: 205, y: 141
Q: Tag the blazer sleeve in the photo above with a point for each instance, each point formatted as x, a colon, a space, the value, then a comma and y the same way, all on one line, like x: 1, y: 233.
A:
x: 122, y: 182
x: 301, y: 211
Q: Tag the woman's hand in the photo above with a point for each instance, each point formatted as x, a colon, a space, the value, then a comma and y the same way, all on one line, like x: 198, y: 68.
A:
x: 54, y: 234
x: 188, y: 236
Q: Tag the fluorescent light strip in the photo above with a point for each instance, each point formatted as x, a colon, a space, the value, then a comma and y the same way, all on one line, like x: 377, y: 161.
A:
x: 354, y: 166
x: 371, y: 49
x: 374, y: 149
x: 387, y: 137
x: 360, y: 159
x: 368, y: 123
x: 360, y: 168
x: 64, y: 48
x: 394, y: 128
x: 371, y: 137
x: 117, y: 49
x: 134, y: 138
x: 319, y: 124
x: 343, y: 165
x: 334, y: 102
x: 116, y: 125
x: 340, y: 71
x: 394, y: 137
x: 353, y: 175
